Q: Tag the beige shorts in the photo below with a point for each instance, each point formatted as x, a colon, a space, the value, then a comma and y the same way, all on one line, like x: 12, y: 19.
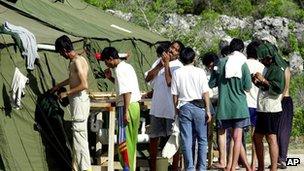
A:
x: 80, y: 106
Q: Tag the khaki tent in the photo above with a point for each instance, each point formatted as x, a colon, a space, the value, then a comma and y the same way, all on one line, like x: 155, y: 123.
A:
x: 21, y: 145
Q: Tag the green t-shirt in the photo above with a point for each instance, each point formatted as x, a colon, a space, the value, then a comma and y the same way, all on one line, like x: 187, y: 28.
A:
x: 275, y: 77
x: 232, y: 103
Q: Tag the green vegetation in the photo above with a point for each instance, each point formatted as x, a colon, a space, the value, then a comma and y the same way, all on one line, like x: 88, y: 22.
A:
x: 297, y: 93
x: 244, y: 34
x: 283, y: 8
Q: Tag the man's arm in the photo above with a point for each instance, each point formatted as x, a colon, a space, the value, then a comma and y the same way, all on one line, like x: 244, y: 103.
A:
x: 207, y: 108
x: 153, y: 73
x: 126, y: 98
x: 287, y: 81
x: 108, y: 75
x: 61, y: 84
x: 175, y: 102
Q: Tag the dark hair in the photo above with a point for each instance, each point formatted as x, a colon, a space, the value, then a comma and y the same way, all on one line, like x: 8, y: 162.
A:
x: 209, y: 57
x: 187, y: 55
x: 181, y: 45
x: 109, y: 52
x: 162, y: 47
x: 251, y: 49
x: 63, y: 43
x: 236, y: 45
x: 225, y: 51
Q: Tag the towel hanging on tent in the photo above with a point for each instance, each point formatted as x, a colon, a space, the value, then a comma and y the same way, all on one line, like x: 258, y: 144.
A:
x: 18, y: 85
x: 28, y: 42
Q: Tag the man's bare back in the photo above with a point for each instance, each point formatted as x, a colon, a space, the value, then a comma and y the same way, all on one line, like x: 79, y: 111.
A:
x: 78, y: 71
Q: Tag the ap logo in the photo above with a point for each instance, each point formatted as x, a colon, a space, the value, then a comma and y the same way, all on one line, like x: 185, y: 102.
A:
x: 292, y: 161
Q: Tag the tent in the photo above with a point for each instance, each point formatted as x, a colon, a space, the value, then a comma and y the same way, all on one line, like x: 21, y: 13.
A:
x: 21, y: 145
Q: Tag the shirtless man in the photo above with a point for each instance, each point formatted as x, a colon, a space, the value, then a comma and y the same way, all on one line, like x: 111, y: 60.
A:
x: 79, y: 101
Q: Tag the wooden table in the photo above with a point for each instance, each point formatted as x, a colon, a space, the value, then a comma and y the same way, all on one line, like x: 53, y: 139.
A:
x: 103, y: 101
x: 108, y: 105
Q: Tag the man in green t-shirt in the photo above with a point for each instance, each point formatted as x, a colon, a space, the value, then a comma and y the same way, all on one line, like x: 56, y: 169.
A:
x: 233, y: 79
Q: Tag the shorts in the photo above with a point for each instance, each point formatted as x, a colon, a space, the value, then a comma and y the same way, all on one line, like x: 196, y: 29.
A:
x: 80, y: 106
x: 160, y: 127
x: 267, y: 123
x: 233, y: 123
x: 253, y: 116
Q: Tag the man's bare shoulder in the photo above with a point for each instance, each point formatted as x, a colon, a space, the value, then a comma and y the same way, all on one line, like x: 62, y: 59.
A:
x: 81, y: 60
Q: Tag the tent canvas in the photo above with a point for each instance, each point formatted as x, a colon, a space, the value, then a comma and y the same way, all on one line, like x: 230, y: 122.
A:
x: 21, y: 147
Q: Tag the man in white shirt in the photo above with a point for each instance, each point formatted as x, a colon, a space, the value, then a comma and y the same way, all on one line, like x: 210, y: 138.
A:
x: 162, y: 109
x: 190, y: 89
x: 128, y: 95
x: 252, y: 95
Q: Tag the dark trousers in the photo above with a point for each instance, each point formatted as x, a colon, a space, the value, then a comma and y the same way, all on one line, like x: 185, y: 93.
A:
x: 284, y: 130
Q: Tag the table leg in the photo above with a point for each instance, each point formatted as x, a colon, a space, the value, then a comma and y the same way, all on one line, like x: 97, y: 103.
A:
x: 111, y: 139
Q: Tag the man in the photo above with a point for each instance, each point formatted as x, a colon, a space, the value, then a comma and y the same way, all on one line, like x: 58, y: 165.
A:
x: 210, y: 61
x: 254, y: 66
x: 190, y: 89
x: 79, y: 101
x: 269, y: 103
x: 233, y: 79
x: 162, y: 109
x: 128, y: 95
x: 285, y: 122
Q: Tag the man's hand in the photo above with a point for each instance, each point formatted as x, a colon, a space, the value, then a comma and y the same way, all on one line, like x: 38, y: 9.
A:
x: 166, y: 58
x: 54, y: 89
x: 259, y: 77
x: 208, y: 117
x: 176, y: 111
x: 126, y: 117
x: 63, y: 95
x: 108, y: 73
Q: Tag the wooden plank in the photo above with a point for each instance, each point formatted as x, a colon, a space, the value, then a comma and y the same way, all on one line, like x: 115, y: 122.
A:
x: 102, y: 94
x: 111, y: 139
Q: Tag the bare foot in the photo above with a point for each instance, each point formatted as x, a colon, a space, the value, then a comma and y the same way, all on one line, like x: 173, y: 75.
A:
x: 218, y: 166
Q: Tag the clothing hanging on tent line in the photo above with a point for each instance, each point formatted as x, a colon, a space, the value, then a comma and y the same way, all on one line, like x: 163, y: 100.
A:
x: 28, y: 41
x: 18, y: 85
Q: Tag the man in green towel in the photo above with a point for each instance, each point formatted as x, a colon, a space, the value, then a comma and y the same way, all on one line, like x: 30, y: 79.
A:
x: 269, y: 106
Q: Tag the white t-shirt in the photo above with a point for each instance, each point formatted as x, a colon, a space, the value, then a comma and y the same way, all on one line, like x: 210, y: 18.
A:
x: 126, y: 81
x: 189, y: 83
x: 252, y: 96
x: 162, y: 101
x: 269, y: 103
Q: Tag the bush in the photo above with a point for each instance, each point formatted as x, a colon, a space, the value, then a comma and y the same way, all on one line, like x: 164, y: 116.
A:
x: 210, y: 15
x: 297, y: 94
x: 283, y: 8
x: 293, y: 42
x: 185, y: 6
x: 298, y: 122
x: 244, y: 34
x: 240, y: 8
